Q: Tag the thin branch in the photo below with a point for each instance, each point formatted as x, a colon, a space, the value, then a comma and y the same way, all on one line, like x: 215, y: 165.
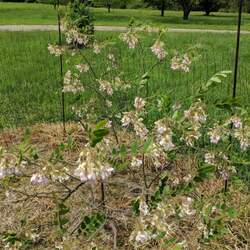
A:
x: 73, y: 191
x: 157, y: 176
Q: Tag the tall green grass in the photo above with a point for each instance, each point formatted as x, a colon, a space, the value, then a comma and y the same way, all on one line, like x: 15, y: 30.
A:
x: 29, y: 13
x: 29, y: 78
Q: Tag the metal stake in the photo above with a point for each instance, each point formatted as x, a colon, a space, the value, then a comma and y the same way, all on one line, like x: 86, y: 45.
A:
x: 236, y: 65
x: 61, y: 68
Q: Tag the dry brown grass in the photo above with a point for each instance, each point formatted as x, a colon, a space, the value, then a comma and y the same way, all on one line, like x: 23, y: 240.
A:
x: 121, y: 189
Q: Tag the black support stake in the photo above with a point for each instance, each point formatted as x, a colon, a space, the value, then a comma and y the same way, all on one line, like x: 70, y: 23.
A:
x: 237, y: 49
x: 236, y: 65
x: 61, y: 69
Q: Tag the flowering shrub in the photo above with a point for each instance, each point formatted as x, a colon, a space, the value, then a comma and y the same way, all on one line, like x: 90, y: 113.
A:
x: 78, y: 23
x: 180, y: 160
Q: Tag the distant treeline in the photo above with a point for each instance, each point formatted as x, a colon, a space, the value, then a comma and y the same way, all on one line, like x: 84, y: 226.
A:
x: 197, y: 5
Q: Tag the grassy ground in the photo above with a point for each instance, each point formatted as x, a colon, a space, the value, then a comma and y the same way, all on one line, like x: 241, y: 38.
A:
x: 23, y: 13
x: 172, y: 19
x: 36, y: 213
x: 29, y: 85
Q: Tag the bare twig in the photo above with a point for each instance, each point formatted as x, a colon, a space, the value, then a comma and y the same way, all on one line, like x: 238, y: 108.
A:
x: 114, y: 231
x: 73, y: 191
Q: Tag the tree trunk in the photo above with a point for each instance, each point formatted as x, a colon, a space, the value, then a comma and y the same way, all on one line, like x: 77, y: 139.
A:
x: 109, y: 7
x: 248, y: 7
x: 186, y: 13
x: 162, y: 7
x: 207, y: 12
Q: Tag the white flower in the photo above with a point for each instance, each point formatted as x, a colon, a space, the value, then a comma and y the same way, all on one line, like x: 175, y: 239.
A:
x: 6, y: 171
x: 214, y: 138
x: 97, y: 48
x: 133, y: 119
x: 130, y: 38
x: 164, y: 134
x: 136, y: 162
x: 166, y: 143
x: 236, y: 122
x: 181, y: 63
x: 224, y: 174
x: 187, y: 178
x: 55, y: 50
x: 39, y: 179
x: 82, y: 68
x: 244, y: 144
x: 158, y: 50
x: 67, y: 77
x: 111, y: 57
x: 90, y: 168
x: 86, y: 171
x: 109, y: 124
x: 60, y: 176
x: 196, y: 115
x: 210, y: 158
x: 71, y: 84
x: 8, y: 164
x: 215, y: 134
x: 106, y: 86
x: 176, y: 181
x: 2, y: 173
x: 140, y: 129
x: 190, y: 137
x: 59, y: 246
x: 73, y: 36
x: 144, y: 210
x: 109, y: 103
x: 186, y: 209
x: 106, y: 171
x: 34, y: 237
x: 127, y: 119
x: 139, y: 103
x: 161, y: 130
x: 243, y: 136
x: 142, y: 237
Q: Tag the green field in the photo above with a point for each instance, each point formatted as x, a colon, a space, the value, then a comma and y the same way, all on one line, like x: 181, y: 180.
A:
x: 29, y: 80
x: 25, y: 13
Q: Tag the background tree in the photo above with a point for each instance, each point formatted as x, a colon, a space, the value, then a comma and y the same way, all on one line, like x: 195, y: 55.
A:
x: 119, y: 4
x: 109, y: 5
x: 162, y: 5
x: 248, y: 6
x: 78, y: 15
x: 211, y: 5
x: 187, y: 6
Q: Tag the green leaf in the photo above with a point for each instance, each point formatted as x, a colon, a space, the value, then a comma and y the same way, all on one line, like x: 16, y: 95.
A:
x: 101, y: 132
x: 145, y: 76
x: 213, y: 82
x: 63, y: 209
x: 134, y: 147
x: 169, y: 242
x: 91, y: 223
x: 177, y: 248
x: 123, y: 150
x: 63, y: 221
x: 229, y: 103
x: 232, y: 212
x: 204, y: 172
x: 135, y: 207
x: 101, y: 124
x: 147, y: 145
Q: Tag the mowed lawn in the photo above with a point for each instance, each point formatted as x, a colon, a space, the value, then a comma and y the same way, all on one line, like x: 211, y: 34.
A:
x: 28, y: 13
x: 29, y: 79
